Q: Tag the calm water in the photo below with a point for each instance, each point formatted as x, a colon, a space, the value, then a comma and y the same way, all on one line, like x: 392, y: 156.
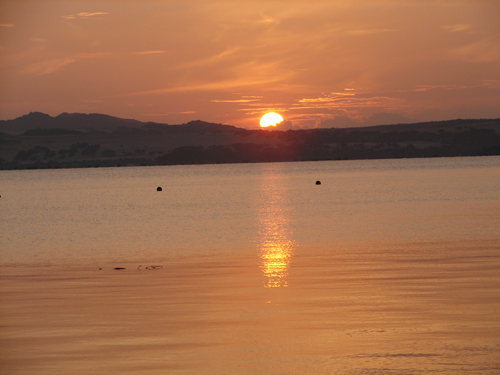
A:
x: 387, y: 267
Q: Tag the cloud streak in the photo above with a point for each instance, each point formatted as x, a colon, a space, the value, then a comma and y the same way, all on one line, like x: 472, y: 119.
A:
x: 149, y: 52
x: 52, y: 65
x: 362, y: 32
x: 213, y: 59
x: 234, y: 100
x: 457, y: 28
x: 345, y: 100
x: 210, y: 86
x: 84, y: 15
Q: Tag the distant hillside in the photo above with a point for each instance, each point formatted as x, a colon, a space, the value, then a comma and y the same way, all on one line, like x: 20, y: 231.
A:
x: 67, y: 121
x: 77, y: 140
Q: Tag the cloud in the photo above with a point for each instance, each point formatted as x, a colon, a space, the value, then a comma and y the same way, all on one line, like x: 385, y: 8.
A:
x: 485, y: 50
x: 491, y: 83
x: 246, y: 75
x: 149, y: 52
x: 6, y: 25
x: 344, y: 100
x: 234, y: 101
x: 264, y: 108
x: 266, y: 20
x: 47, y: 66
x: 368, y: 31
x: 84, y: 15
x: 219, y: 85
x: 457, y: 28
x: 53, y: 65
x: 213, y: 59
x: 423, y: 88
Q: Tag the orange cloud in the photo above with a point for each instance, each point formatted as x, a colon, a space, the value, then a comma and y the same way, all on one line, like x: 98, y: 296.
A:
x: 484, y: 50
x: 84, y: 15
x: 213, y: 59
x: 234, y: 101
x: 457, y: 28
x: 345, y: 100
x: 368, y: 31
x: 149, y: 52
x: 53, y: 65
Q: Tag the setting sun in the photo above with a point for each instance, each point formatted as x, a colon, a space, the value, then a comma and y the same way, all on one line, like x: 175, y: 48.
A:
x: 270, y: 119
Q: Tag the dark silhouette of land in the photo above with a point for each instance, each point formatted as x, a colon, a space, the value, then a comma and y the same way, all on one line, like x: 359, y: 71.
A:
x: 77, y: 140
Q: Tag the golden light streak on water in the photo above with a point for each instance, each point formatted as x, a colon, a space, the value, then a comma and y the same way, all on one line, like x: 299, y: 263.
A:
x: 276, y: 245
x: 275, y: 263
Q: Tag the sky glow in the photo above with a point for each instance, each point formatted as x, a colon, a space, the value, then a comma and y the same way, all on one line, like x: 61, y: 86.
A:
x: 317, y: 63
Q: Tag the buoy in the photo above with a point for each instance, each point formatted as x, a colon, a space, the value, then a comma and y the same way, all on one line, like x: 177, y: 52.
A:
x: 158, y: 188
x: 318, y: 182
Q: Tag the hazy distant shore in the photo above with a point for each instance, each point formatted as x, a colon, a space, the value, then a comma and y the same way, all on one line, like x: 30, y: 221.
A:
x: 39, y: 141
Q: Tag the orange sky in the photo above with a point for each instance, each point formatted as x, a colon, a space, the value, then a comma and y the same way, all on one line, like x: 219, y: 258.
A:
x: 317, y: 63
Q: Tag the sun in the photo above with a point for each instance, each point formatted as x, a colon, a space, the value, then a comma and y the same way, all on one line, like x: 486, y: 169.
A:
x: 270, y: 119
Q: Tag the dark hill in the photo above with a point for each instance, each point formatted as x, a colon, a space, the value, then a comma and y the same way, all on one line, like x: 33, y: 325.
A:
x: 38, y: 140
x: 82, y: 122
x: 68, y: 121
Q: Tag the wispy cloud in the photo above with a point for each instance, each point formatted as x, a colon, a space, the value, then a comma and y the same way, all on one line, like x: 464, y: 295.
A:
x: 47, y: 66
x: 219, y: 85
x: 149, y: 52
x: 53, y: 65
x: 84, y: 15
x: 485, y: 50
x: 457, y: 28
x: 6, y: 25
x: 266, y: 20
x: 489, y: 83
x: 260, y: 108
x: 234, y: 100
x: 212, y: 59
x: 368, y: 31
x: 246, y: 75
x: 346, y: 100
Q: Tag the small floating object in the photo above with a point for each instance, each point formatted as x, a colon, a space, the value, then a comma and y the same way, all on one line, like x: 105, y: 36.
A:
x: 159, y: 188
x: 119, y: 268
x: 318, y: 182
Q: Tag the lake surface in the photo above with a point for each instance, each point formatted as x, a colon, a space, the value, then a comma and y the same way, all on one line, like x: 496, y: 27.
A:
x: 386, y: 267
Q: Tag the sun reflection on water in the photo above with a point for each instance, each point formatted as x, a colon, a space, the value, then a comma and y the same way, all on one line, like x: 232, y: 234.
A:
x: 276, y: 245
x: 275, y: 263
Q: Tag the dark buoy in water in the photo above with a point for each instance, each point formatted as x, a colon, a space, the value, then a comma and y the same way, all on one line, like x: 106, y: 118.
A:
x: 318, y: 182
x: 158, y: 188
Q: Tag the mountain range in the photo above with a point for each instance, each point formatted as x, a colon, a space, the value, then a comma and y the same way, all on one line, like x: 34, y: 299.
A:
x: 72, y: 140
